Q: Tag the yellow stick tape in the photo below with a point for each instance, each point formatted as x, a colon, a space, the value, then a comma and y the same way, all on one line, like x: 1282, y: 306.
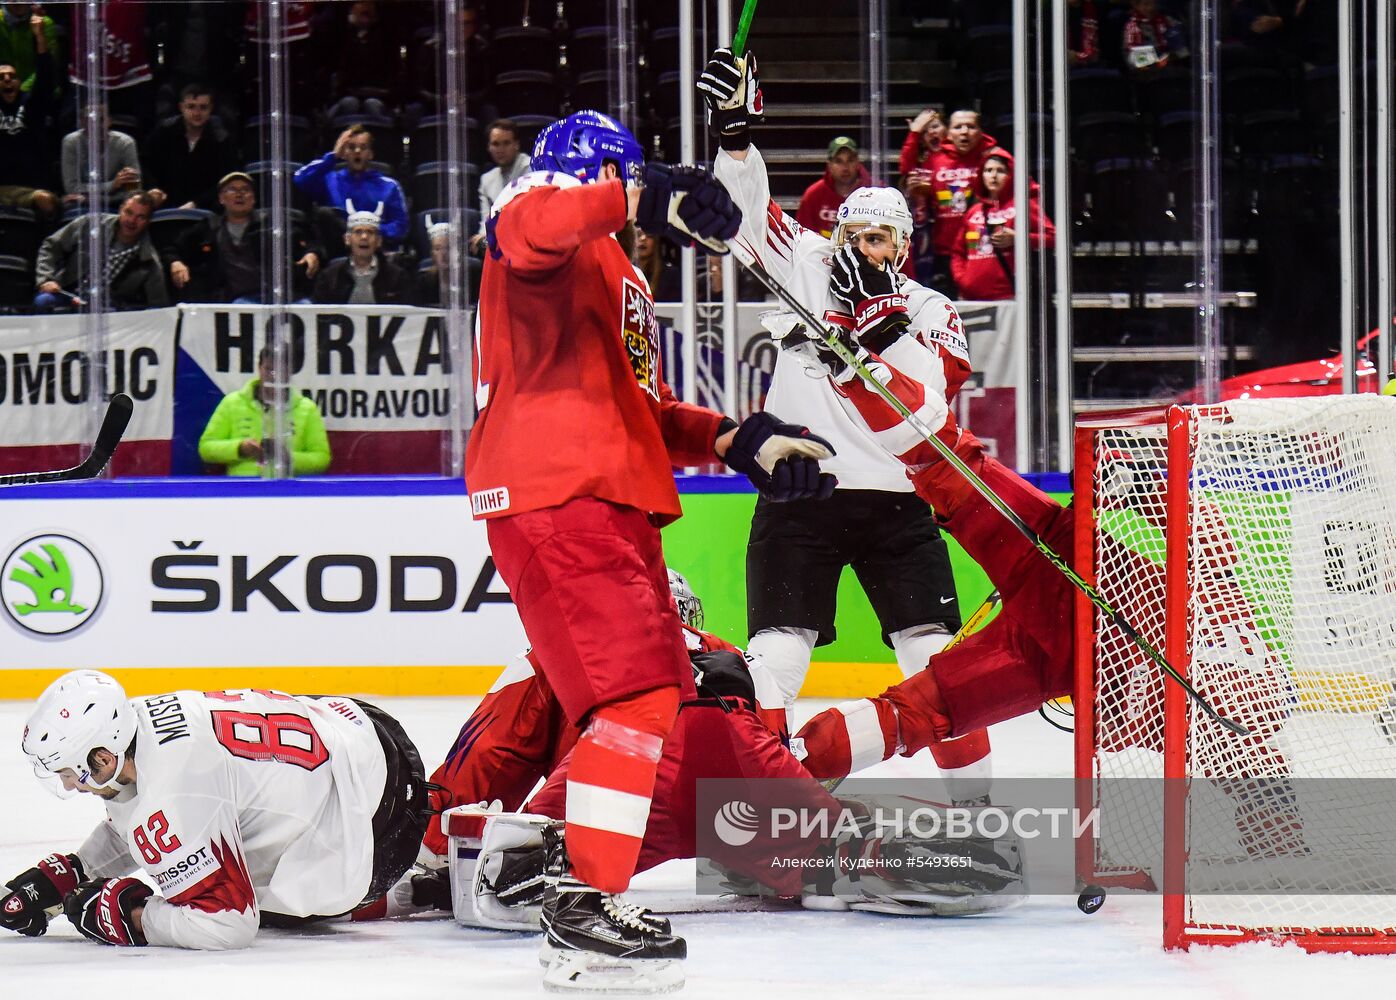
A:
x: 381, y: 681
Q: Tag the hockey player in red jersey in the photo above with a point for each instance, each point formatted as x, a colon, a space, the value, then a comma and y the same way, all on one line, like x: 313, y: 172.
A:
x: 733, y: 731
x: 243, y: 807
x: 570, y: 462
x: 1025, y: 656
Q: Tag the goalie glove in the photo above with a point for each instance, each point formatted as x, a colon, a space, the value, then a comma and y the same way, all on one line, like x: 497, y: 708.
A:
x: 781, y: 460
x: 731, y: 93
x: 872, y: 295
x: 38, y: 890
x: 687, y: 204
x: 102, y: 909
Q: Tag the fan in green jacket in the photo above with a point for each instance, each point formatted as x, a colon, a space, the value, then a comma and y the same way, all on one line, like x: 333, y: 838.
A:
x: 237, y: 433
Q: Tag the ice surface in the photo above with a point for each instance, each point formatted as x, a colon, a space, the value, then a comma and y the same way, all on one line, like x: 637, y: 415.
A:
x: 1044, y: 948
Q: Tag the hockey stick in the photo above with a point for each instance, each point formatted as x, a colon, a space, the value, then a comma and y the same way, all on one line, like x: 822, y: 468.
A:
x: 743, y: 28
x: 837, y: 346
x: 108, y: 437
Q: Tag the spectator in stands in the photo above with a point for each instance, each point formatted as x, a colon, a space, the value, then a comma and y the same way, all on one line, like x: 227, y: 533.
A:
x: 1082, y: 33
x: 666, y: 284
x: 237, y: 435
x: 1151, y: 39
x: 344, y: 175
x: 125, y: 73
x: 134, y: 277
x: 1275, y: 28
x: 953, y: 170
x: 434, y: 280
x: 122, y: 172
x: 365, y: 277
x: 509, y: 162
x: 983, y: 261
x: 21, y: 29
x: 369, y: 65
x: 425, y: 64
x: 924, y: 135
x: 844, y: 171
x: 186, y: 156
x: 221, y: 260
x: 22, y: 130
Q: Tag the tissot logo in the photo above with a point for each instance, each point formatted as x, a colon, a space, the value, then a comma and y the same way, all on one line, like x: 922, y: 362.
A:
x: 51, y: 585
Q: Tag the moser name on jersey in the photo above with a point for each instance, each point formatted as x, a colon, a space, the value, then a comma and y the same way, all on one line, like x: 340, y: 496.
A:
x: 167, y: 717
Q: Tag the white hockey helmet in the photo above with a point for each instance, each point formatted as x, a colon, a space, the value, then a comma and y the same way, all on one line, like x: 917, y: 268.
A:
x: 82, y: 711
x: 876, y: 206
x: 686, y: 602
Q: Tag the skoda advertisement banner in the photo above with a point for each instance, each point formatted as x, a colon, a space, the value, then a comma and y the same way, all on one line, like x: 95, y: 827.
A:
x: 248, y: 581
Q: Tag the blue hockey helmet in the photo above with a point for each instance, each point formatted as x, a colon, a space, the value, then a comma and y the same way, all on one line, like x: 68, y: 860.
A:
x: 580, y: 143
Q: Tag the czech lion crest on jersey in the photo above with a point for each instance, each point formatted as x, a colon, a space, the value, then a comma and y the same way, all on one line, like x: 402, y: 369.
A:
x: 640, y: 335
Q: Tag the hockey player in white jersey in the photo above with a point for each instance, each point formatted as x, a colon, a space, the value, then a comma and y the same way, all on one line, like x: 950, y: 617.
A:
x: 873, y: 522
x: 242, y: 807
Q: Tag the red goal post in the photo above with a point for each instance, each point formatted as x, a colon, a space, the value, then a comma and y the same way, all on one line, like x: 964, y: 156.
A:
x: 1254, y: 542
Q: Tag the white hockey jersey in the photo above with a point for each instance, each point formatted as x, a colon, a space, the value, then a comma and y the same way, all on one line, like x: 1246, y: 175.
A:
x: 800, y: 260
x: 244, y: 801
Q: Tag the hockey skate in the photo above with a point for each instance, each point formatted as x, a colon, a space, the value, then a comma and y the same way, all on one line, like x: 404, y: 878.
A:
x: 597, y: 943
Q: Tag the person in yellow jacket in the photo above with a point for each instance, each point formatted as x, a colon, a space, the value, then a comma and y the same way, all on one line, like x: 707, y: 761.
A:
x: 237, y: 435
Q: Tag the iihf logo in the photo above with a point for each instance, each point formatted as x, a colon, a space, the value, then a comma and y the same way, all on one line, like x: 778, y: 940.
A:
x: 735, y: 823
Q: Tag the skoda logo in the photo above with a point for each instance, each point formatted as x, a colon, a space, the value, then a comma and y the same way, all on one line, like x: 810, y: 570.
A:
x: 51, y: 585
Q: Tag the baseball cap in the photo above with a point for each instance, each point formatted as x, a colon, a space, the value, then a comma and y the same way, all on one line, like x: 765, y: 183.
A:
x: 842, y: 142
x: 236, y: 175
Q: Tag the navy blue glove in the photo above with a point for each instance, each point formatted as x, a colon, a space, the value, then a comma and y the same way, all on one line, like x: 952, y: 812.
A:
x: 101, y: 910
x: 781, y: 460
x: 687, y: 204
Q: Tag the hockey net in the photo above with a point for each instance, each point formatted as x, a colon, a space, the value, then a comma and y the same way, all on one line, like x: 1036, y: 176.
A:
x: 1255, y: 543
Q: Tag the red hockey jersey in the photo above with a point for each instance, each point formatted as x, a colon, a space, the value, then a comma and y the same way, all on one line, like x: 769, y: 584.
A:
x: 568, y: 379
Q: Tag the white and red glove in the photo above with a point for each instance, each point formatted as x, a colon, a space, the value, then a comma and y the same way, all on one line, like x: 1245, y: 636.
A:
x: 37, y: 890
x: 102, y: 910
x: 871, y: 294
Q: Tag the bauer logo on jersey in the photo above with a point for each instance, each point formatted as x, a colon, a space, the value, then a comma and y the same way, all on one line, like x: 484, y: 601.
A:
x: 640, y: 335
x: 51, y: 585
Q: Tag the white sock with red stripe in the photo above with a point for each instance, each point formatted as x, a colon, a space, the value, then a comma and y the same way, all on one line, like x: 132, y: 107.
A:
x: 964, y: 763
x: 610, y: 780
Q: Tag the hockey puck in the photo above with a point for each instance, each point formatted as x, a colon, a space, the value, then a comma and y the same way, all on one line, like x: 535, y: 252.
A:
x: 1092, y: 898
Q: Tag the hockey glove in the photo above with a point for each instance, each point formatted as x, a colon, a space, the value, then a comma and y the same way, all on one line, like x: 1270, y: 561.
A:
x: 815, y: 355
x: 872, y: 295
x: 687, y: 204
x: 781, y: 460
x: 39, y: 889
x: 101, y: 910
x: 731, y: 93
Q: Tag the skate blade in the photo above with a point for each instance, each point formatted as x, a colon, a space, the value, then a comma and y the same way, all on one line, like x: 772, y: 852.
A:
x: 925, y: 905
x: 583, y: 972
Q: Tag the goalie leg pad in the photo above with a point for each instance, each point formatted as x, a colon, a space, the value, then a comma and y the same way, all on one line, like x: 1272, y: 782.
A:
x: 496, y: 866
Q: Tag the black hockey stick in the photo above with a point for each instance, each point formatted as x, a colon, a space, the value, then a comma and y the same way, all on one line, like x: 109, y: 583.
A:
x: 108, y: 437
x: 837, y: 346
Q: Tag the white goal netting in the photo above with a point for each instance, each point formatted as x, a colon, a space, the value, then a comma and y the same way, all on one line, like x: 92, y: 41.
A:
x: 1287, y: 598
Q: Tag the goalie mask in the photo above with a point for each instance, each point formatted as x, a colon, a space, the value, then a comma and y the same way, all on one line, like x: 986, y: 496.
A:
x: 876, y: 206
x: 686, y: 602
x: 82, y: 711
